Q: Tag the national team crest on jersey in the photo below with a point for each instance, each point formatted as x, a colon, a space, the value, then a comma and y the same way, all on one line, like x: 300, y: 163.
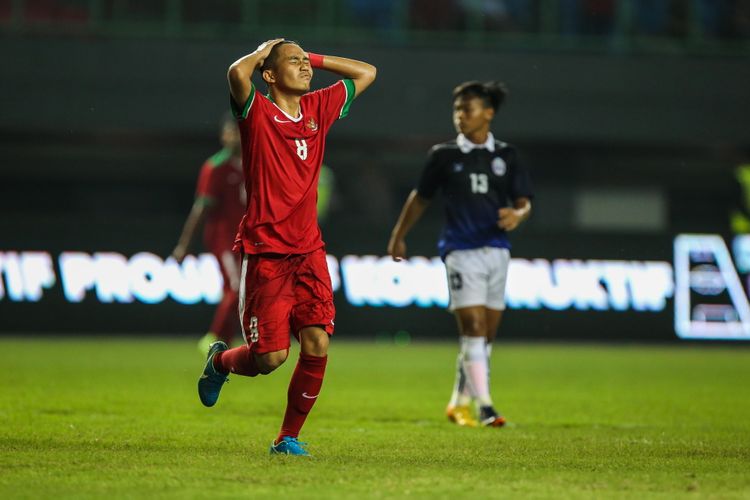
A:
x: 498, y: 167
x: 311, y: 125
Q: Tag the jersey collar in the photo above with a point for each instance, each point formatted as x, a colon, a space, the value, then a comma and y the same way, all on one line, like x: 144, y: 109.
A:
x: 295, y: 120
x: 465, y: 145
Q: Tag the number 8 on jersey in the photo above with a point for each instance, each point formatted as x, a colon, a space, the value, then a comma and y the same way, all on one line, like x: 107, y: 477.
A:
x: 301, y: 148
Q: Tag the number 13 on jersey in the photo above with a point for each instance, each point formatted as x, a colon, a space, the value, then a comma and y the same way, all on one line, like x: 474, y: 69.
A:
x: 479, y: 183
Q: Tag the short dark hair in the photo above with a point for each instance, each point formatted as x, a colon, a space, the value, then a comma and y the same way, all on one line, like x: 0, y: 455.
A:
x: 273, y: 56
x: 491, y: 93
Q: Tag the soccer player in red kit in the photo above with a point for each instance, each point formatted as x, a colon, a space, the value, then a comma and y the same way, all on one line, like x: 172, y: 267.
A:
x: 219, y: 205
x: 285, y: 286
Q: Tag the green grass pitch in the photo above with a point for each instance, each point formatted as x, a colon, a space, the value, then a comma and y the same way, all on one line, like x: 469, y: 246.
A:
x: 87, y: 418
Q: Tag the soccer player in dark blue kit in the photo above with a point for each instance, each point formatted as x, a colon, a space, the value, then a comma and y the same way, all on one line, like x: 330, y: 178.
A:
x: 487, y: 193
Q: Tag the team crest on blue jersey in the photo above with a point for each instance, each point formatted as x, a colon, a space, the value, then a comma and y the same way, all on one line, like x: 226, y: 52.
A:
x: 498, y: 166
x: 457, y: 167
x: 311, y: 125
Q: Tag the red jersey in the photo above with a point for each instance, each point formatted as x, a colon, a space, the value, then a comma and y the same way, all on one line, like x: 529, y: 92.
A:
x: 281, y: 159
x: 221, y: 188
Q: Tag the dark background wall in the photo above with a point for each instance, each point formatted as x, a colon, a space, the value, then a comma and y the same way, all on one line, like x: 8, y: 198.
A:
x: 177, y: 86
x: 145, y: 112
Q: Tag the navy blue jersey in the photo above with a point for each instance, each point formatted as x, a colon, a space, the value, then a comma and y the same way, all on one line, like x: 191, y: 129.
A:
x: 477, y: 181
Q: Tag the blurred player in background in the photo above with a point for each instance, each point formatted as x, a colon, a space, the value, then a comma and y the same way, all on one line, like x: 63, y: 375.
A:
x: 220, y: 203
x: 285, y: 285
x: 739, y: 214
x: 487, y: 194
x: 326, y: 187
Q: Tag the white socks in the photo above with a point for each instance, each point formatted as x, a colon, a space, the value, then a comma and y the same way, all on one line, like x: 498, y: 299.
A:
x: 460, y: 395
x: 474, y: 356
x: 488, y: 347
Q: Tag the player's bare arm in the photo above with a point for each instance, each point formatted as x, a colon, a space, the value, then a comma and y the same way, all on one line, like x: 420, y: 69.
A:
x: 361, y: 73
x: 197, y: 215
x: 242, y: 69
x: 411, y: 212
x: 510, y: 218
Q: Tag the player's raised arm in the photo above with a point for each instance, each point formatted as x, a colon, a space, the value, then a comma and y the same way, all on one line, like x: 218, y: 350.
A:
x: 361, y: 73
x: 413, y: 209
x: 241, y: 71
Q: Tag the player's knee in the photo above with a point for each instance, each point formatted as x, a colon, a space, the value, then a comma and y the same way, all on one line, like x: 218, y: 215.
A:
x: 318, y: 347
x: 314, y: 341
x: 474, y: 328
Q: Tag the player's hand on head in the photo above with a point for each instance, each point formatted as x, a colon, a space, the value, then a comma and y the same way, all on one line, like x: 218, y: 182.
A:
x: 508, y: 219
x: 265, y: 47
x: 397, y: 249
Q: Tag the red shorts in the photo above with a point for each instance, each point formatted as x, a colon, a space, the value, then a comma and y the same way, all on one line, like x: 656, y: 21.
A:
x: 282, y: 294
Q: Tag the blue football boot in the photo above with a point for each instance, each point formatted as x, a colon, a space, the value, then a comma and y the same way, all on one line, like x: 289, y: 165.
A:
x: 289, y: 446
x: 209, y: 385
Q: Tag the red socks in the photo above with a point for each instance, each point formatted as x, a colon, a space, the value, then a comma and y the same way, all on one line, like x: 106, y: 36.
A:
x: 239, y: 360
x: 303, y: 392
x: 303, y: 388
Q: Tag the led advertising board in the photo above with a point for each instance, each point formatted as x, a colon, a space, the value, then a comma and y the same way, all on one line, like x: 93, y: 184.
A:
x: 703, y: 287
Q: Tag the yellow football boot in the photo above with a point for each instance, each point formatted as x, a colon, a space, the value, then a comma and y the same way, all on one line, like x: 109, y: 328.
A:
x: 461, y: 415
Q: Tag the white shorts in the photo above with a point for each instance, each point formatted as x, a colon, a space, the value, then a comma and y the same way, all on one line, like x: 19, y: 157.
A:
x: 477, y: 277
